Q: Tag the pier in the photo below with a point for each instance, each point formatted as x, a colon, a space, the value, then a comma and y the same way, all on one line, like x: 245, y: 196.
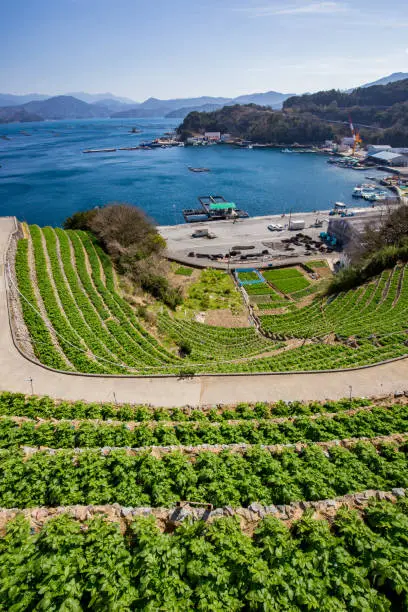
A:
x: 213, y: 208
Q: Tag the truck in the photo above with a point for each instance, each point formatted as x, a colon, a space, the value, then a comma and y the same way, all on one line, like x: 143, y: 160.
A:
x: 297, y: 224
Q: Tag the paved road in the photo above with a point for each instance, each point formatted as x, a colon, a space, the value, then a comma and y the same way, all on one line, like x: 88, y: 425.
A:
x: 16, y: 371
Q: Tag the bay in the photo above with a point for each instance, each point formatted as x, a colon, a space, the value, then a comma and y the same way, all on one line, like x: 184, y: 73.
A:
x: 45, y: 176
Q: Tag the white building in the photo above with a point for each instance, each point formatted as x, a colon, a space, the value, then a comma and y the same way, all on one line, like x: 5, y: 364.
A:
x: 212, y: 135
x: 373, y: 149
x: 347, y: 141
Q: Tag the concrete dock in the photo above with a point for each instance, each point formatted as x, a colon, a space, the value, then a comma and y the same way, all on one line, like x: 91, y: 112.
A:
x: 251, y: 232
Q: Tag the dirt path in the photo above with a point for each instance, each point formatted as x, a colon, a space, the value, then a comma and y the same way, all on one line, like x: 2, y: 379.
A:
x: 16, y: 372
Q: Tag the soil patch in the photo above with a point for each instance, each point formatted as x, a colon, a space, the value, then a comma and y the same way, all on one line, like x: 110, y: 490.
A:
x: 225, y: 318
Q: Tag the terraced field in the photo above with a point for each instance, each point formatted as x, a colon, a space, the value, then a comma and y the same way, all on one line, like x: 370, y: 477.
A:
x: 81, y: 521
x: 78, y: 320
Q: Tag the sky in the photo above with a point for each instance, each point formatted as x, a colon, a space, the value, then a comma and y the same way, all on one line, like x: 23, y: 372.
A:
x: 186, y: 48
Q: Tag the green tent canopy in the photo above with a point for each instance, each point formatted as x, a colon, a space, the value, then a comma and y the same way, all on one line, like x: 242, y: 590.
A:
x: 222, y: 206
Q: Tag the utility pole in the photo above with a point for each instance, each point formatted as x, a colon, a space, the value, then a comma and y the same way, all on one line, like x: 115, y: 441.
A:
x: 30, y: 380
x: 351, y: 392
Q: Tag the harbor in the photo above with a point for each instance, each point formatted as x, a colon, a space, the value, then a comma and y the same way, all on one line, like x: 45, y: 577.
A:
x: 263, y: 241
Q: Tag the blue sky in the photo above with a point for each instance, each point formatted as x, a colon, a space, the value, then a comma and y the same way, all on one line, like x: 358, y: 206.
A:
x: 180, y: 48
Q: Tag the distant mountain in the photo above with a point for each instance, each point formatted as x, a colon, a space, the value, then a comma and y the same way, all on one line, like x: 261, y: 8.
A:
x: 83, y: 105
x: 154, y: 107
x: 137, y: 112
x: 102, y: 97
x: 58, y: 107
x: 180, y: 113
x: 274, y: 99
x: 66, y: 107
x: 17, y: 114
x: 16, y: 100
x: 107, y: 99
x: 114, y: 105
x: 392, y: 78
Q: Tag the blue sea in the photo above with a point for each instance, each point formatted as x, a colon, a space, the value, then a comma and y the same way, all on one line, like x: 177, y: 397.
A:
x: 45, y: 176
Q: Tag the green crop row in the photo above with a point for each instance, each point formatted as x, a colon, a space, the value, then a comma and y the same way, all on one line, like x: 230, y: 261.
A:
x: 77, y: 308
x: 227, y: 479
x: 43, y: 347
x: 357, y: 562
x: 70, y: 341
x: 66, y: 434
x: 17, y: 404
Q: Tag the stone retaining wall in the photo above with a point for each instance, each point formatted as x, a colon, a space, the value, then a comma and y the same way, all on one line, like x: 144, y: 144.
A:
x: 169, y: 519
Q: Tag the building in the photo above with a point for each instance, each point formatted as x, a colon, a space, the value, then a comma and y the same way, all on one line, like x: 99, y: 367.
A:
x: 389, y: 158
x: 373, y: 149
x: 348, y: 230
x: 348, y: 141
x: 214, y: 136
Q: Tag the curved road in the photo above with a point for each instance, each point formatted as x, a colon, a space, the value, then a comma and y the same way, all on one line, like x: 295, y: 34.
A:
x: 16, y: 372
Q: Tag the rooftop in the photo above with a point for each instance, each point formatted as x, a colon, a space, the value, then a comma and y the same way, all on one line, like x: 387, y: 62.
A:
x: 386, y: 155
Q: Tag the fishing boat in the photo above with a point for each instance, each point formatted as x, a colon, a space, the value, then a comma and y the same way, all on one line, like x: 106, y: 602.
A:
x: 370, y: 196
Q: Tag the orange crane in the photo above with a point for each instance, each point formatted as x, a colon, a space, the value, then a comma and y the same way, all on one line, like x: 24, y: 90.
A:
x: 356, y: 136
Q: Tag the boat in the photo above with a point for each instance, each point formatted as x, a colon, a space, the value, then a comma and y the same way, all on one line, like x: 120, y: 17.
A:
x: 357, y: 192
x: 286, y: 151
x: 198, y: 169
x: 340, y: 205
x: 370, y: 196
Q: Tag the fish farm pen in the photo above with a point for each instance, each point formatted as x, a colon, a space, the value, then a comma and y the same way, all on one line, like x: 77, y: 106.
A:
x: 213, y: 208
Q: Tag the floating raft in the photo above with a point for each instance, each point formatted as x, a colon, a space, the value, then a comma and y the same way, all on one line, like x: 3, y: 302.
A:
x: 213, y: 208
x: 99, y: 151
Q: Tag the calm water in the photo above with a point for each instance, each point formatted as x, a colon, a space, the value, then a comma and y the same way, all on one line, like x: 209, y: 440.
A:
x: 45, y: 177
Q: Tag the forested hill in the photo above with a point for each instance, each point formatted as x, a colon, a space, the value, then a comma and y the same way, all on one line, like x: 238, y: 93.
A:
x: 376, y: 96
x: 259, y: 124
x: 380, y: 112
x: 383, y: 107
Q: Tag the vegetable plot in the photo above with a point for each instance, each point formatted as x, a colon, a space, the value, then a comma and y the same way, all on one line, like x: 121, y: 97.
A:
x: 88, y: 434
x: 89, y: 327
x: 226, y: 479
x: 357, y: 563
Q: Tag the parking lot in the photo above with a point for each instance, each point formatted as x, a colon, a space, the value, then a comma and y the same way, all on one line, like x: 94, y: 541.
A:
x: 244, y: 236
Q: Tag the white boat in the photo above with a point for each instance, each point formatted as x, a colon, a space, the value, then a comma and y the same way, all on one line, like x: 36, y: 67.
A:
x: 340, y: 205
x: 357, y: 192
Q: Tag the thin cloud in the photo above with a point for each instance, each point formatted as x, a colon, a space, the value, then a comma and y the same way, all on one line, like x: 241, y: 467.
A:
x: 313, y: 8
